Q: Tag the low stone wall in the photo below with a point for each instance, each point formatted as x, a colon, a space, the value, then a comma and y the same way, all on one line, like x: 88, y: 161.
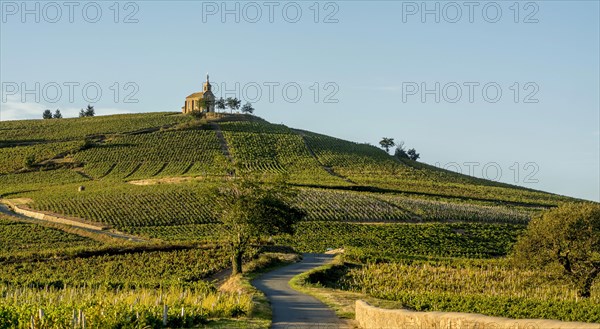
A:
x: 42, y: 215
x: 370, y: 317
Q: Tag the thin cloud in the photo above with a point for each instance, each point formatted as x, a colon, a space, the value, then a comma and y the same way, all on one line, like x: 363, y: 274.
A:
x: 14, y: 109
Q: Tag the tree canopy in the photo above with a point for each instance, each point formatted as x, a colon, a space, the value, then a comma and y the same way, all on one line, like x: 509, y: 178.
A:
x: 220, y: 103
x: 233, y: 104
x: 566, y: 239
x: 387, y: 143
x: 401, y: 152
x: 413, y: 155
x: 247, y: 108
x: 250, y: 209
x: 88, y: 112
x: 47, y: 114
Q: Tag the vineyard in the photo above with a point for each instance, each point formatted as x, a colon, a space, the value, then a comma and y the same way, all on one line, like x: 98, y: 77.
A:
x: 323, y: 205
x: 14, y: 158
x: 432, y: 211
x: 134, y: 147
x: 170, y: 153
x: 429, y: 238
x: 20, y: 236
x: 353, y: 158
x: 110, y: 308
x: 149, y: 211
x: 367, y: 165
x: 441, y: 187
x: 189, y: 232
x: 14, y: 132
x: 368, y: 242
x: 130, y: 289
x: 275, y: 149
x: 38, y: 180
x: 489, y: 287
x: 156, y: 269
x: 139, y: 205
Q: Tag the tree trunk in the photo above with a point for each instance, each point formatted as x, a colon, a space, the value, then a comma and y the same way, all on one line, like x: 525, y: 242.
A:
x: 236, y: 262
x: 586, y: 288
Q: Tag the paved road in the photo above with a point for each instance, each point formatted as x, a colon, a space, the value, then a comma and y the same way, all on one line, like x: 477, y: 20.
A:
x: 292, y: 309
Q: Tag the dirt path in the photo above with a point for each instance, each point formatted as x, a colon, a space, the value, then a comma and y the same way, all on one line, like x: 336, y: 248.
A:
x: 292, y: 309
x: 220, y: 277
x: 110, y: 233
x: 222, y: 141
x: 329, y: 170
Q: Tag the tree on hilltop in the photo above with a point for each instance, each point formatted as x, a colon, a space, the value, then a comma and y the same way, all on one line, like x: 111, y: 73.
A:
x: 565, y: 240
x: 88, y: 112
x: 57, y: 114
x: 413, y: 155
x: 247, y: 108
x: 249, y: 210
x: 220, y: 104
x: 233, y: 103
x: 400, y: 152
x: 47, y: 114
x: 387, y: 143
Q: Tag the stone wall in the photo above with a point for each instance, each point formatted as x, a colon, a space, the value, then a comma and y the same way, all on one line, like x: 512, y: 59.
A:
x: 41, y: 215
x: 369, y: 317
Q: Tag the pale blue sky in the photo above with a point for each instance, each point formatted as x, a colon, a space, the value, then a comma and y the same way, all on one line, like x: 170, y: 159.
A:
x: 371, y: 55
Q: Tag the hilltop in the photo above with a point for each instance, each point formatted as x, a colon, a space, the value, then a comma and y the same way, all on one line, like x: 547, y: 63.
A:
x: 145, y: 173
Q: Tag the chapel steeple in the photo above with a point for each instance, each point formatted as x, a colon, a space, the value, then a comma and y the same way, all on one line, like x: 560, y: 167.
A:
x: 202, y: 101
x: 206, y: 85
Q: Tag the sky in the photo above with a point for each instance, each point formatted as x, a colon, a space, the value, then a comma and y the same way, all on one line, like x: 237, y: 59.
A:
x: 502, y: 90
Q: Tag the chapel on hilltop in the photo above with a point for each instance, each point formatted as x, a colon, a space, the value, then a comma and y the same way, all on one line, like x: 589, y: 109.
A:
x: 203, y: 101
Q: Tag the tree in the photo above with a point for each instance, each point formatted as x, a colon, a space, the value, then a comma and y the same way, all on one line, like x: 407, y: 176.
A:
x: 386, y: 143
x: 233, y: 103
x: 57, y: 114
x: 249, y: 209
x: 47, y: 114
x: 247, y: 108
x: 413, y: 155
x: 220, y: 103
x: 400, y: 152
x: 565, y: 239
x: 88, y: 112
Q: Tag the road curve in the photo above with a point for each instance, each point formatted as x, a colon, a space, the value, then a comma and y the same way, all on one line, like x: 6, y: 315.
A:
x: 292, y: 309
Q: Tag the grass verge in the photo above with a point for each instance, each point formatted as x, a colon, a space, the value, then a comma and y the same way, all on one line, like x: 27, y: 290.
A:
x: 261, y: 315
x: 342, y: 302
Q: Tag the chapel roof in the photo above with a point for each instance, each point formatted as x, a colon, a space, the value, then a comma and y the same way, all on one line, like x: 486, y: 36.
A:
x: 196, y: 95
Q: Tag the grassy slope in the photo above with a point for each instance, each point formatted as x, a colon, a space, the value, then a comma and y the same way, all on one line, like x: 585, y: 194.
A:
x: 339, y: 180
x: 166, y: 144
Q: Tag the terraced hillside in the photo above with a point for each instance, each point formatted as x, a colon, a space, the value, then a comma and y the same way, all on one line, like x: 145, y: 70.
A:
x: 151, y: 175
x: 175, y: 158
